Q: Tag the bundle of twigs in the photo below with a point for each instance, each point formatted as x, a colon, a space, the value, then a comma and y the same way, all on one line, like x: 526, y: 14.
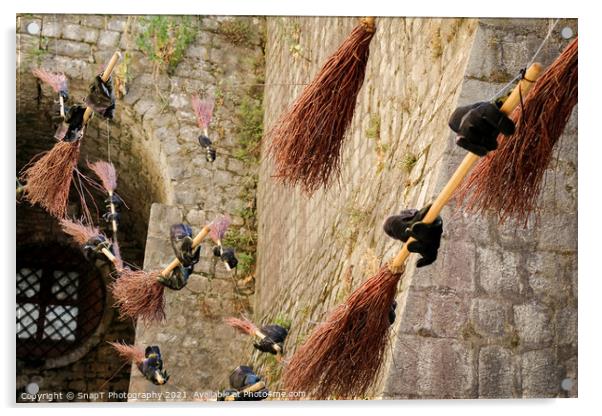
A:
x: 306, y: 140
x: 344, y: 353
x: 57, y: 81
x: 129, y: 353
x: 82, y: 234
x: 203, y: 110
x: 140, y: 295
x: 507, y: 182
x: 105, y: 171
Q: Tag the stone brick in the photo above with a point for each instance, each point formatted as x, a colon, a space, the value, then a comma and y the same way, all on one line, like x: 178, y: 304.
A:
x: 540, y: 374
x: 52, y: 29
x: 490, y: 317
x: 454, y: 269
x: 498, y: 271
x: 533, y: 323
x: 566, y: 326
x: 432, y: 367
x: 117, y: 24
x: 69, y: 48
x: 73, y: 32
x: 91, y: 36
x: 496, y: 373
x: 108, y: 39
x: 93, y: 21
x: 549, y: 276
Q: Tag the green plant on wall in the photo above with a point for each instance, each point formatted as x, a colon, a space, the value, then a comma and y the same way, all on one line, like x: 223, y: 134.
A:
x: 408, y: 162
x: 37, y: 52
x: 164, y: 40
x: 291, y: 30
x: 250, y: 130
x: 236, y: 31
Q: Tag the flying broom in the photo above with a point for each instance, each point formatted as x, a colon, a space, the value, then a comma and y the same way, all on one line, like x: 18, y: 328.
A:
x: 270, y: 337
x: 140, y: 294
x: 343, y: 355
x: 306, y: 140
x: 92, y: 242
x: 105, y: 171
x: 203, y: 110
x: 48, y: 180
x: 149, y: 361
x: 507, y: 182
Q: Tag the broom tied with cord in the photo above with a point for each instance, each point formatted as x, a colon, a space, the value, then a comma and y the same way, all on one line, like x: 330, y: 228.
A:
x: 87, y: 237
x: 344, y: 354
x: 140, y: 294
x: 48, y: 180
x: 507, y: 183
x: 107, y: 174
x: 306, y: 140
x: 247, y: 327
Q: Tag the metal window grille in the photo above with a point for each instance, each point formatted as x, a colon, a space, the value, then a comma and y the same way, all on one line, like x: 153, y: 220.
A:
x: 60, y: 301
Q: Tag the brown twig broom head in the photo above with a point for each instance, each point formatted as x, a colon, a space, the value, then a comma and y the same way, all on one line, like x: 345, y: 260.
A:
x: 508, y: 181
x: 203, y: 110
x: 306, y: 140
x: 139, y: 294
x: 106, y: 173
x: 242, y: 325
x: 219, y: 226
x: 342, y: 356
x: 48, y: 180
x: 78, y: 231
x: 57, y: 81
x: 129, y: 353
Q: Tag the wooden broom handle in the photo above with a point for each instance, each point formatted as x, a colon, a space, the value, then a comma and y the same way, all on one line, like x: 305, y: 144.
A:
x: 110, y: 256
x: 462, y: 171
x: 368, y: 22
x: 106, y: 74
x: 195, y: 243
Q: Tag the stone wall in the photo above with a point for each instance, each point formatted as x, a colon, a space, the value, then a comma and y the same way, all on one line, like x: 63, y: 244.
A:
x: 153, y: 144
x: 496, y: 315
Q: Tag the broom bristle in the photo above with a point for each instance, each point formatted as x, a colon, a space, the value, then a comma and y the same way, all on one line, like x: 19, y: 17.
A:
x: 139, y: 295
x: 57, y: 81
x: 242, y: 325
x: 129, y: 352
x: 49, y: 178
x: 306, y: 141
x: 106, y: 173
x: 218, y: 228
x: 508, y: 181
x: 343, y: 355
x: 203, y: 109
x: 78, y: 231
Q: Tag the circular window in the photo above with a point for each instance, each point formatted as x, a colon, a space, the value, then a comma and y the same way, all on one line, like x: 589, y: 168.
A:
x: 60, y: 301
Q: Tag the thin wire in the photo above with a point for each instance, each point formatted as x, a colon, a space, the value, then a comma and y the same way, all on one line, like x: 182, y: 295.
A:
x: 545, y: 40
x: 500, y: 92
x: 108, y: 140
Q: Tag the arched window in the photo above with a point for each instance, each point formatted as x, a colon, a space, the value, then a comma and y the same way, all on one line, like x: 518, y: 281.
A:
x: 60, y: 301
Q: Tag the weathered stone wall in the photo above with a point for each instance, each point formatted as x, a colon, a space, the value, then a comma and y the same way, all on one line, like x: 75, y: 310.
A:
x: 153, y: 143
x: 496, y: 315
